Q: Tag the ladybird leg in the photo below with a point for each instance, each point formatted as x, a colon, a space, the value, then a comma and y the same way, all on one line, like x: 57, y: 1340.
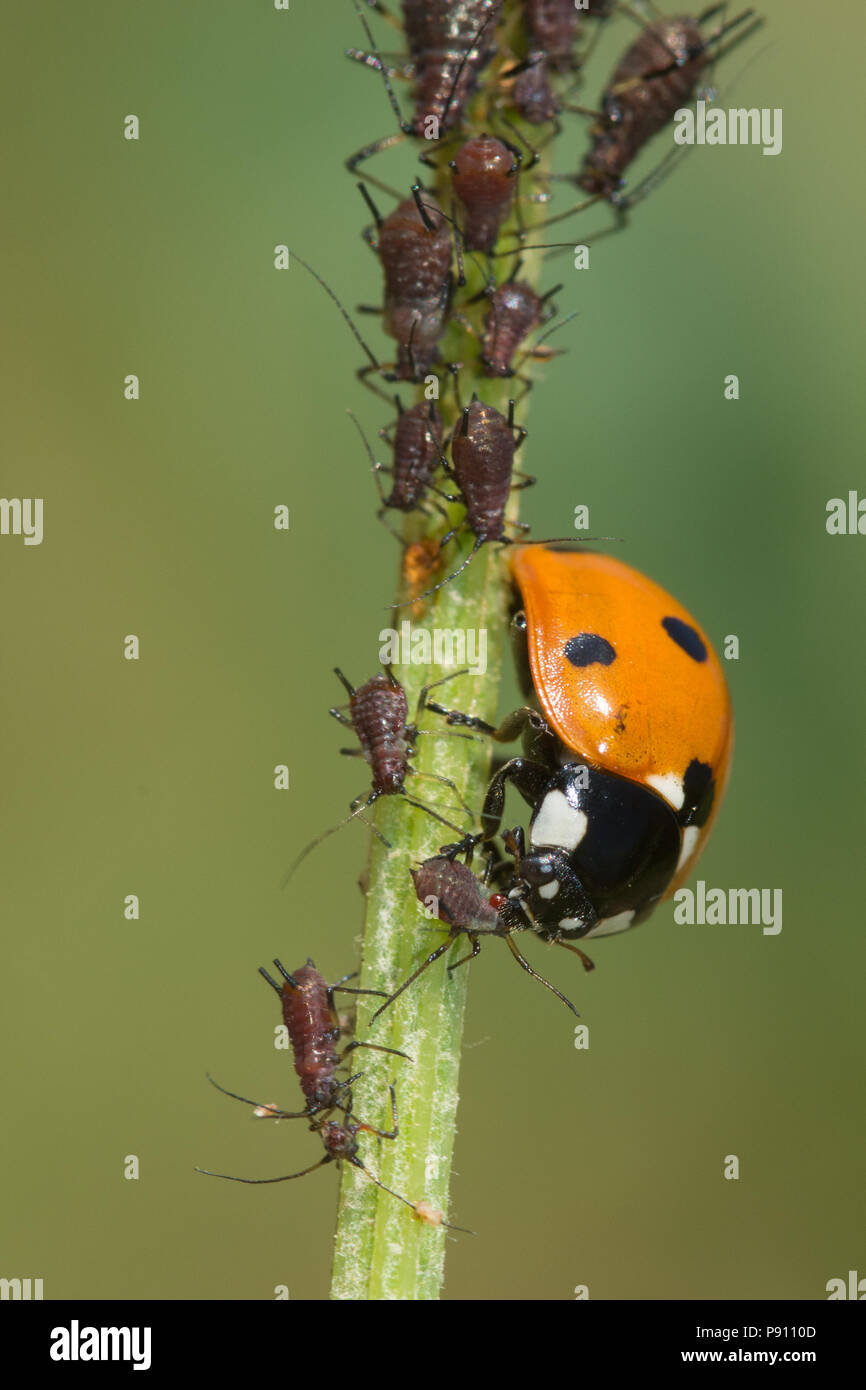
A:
x: 340, y: 717
x: 524, y: 965
x: 476, y: 951
x: 585, y: 960
x: 434, y: 956
x: 528, y: 777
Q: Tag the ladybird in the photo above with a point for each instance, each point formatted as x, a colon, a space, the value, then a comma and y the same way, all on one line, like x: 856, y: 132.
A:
x: 626, y: 745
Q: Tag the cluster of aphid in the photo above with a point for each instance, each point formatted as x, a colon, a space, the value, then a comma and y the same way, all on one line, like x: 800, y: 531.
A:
x: 627, y: 730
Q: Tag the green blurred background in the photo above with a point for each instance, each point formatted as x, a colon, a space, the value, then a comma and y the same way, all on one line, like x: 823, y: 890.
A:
x: 602, y: 1167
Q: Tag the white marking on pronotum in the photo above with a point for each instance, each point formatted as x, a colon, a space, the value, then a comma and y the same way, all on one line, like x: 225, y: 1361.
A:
x: 558, y: 823
x: 609, y: 926
x: 549, y: 890
x: 691, y: 835
x: 670, y: 786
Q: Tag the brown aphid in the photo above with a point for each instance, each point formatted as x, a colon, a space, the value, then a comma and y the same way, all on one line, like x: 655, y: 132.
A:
x: 482, y: 453
x: 484, y: 172
x: 314, y: 1029
x: 533, y: 94
x: 451, y: 890
x: 377, y: 714
x: 515, y: 310
x: 658, y: 74
x: 414, y: 246
x: 417, y: 452
x: 552, y: 26
x: 311, y: 1020
x: 450, y: 44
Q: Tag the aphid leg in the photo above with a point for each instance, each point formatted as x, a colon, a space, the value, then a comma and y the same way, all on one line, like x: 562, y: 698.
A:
x: 476, y: 951
x: 384, y: 1133
x: 434, y: 956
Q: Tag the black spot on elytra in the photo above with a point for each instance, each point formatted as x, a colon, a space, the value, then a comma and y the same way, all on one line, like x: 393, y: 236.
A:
x: 587, y: 648
x: 685, y: 636
x: 699, y: 790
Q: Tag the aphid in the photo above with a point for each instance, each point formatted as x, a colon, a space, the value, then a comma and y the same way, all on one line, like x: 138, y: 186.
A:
x: 417, y: 452
x: 515, y: 310
x: 451, y: 890
x: 450, y: 43
x: 314, y: 1028
x: 484, y: 170
x: 414, y: 246
x: 551, y: 30
x: 658, y: 74
x: 627, y: 745
x: 311, y: 1020
x: 482, y: 455
x: 377, y: 714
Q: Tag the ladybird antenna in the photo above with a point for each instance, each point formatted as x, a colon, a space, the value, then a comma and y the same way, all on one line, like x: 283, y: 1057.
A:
x: 353, y: 815
x: 524, y: 965
x: 343, y: 310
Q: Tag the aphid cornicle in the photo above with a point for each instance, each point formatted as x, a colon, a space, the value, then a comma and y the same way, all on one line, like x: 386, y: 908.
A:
x: 483, y: 173
x: 658, y: 74
x: 451, y: 890
x: 378, y: 716
x: 627, y: 745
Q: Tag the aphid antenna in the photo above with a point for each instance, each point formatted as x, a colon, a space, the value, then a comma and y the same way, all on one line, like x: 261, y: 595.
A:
x: 373, y: 360
x: 273, y: 1113
x: 353, y: 815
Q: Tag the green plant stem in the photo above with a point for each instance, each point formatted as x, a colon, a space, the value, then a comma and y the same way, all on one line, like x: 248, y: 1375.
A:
x: 382, y: 1250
